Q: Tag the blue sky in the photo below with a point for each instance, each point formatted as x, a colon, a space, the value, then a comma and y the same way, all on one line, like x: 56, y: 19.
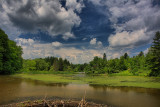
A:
x: 78, y: 30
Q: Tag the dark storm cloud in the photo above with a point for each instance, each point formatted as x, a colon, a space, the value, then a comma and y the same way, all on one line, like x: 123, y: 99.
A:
x: 156, y: 2
x: 47, y: 15
x: 153, y: 22
x: 21, y: 19
x: 10, y: 2
x: 27, y: 19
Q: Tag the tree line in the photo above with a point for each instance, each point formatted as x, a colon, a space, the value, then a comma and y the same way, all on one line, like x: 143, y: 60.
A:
x: 46, y: 64
x: 149, y: 63
x: 11, y: 60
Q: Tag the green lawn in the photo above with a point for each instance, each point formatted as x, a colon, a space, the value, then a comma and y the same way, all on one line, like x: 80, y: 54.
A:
x: 129, y: 81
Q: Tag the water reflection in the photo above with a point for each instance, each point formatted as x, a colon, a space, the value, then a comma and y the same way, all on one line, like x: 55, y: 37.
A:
x: 9, y: 88
x: 16, y: 89
x: 128, y: 89
x: 36, y: 83
x: 129, y: 96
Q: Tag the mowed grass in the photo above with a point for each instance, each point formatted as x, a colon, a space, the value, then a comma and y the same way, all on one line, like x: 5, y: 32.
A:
x: 105, y: 80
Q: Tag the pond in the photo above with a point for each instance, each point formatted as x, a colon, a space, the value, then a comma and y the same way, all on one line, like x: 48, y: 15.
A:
x: 15, y: 90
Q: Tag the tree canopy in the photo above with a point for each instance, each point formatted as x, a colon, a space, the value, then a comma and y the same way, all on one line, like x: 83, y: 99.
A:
x: 10, y: 55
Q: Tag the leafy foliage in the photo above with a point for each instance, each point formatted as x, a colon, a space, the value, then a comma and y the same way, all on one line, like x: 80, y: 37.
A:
x: 51, y: 64
x: 10, y: 55
x: 41, y: 65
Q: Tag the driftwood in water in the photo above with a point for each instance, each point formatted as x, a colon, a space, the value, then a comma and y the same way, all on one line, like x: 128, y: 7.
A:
x: 55, y: 103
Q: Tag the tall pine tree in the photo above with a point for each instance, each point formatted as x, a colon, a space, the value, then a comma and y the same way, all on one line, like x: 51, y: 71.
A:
x: 104, y: 56
x: 154, y: 53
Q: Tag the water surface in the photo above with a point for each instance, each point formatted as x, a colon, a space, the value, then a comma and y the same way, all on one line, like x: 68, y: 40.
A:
x: 16, y: 90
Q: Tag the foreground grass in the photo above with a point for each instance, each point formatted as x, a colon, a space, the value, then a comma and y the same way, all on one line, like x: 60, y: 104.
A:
x: 129, y: 81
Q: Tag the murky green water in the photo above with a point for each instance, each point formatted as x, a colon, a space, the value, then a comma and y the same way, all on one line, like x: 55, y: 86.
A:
x: 15, y: 90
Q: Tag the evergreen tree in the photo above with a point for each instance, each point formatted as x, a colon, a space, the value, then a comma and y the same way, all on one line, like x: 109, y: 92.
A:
x: 50, y: 60
x: 154, y: 53
x: 141, y: 54
x: 104, y: 56
x: 125, y: 56
x: 61, y: 65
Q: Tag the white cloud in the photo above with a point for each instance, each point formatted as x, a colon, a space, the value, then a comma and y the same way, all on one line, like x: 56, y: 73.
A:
x: 96, y: 43
x: 140, y: 21
x: 73, y: 4
x: 56, y: 44
x: 68, y: 35
x: 146, y: 51
x: 127, y: 38
x: 99, y: 43
x: 133, y: 20
x: 21, y: 41
x: 93, y: 41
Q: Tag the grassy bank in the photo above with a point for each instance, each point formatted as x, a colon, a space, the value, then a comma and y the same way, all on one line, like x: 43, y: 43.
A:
x: 25, y: 71
x: 50, y: 78
x: 107, y: 80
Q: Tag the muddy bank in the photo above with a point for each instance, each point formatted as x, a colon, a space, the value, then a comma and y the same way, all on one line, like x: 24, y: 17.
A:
x: 55, y: 103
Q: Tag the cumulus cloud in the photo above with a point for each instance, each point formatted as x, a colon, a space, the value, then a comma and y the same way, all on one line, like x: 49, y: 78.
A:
x: 128, y: 38
x: 96, y: 43
x: 47, y: 15
x: 99, y: 43
x: 93, y: 41
x: 68, y: 35
x: 146, y: 51
x: 21, y: 41
x: 142, y: 20
x: 56, y: 44
x: 134, y: 21
x: 73, y: 4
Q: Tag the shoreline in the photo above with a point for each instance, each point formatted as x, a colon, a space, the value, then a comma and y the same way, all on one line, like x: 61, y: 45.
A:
x: 101, y: 80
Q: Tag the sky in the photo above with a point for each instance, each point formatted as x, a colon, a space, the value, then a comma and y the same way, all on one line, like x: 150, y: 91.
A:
x: 79, y: 30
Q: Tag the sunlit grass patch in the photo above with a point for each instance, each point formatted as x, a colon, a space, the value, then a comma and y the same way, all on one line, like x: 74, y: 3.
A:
x: 58, y: 78
x: 107, y: 80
